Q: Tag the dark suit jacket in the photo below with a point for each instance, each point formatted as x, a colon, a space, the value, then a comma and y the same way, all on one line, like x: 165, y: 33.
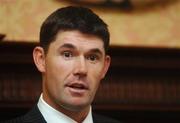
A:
x: 35, y: 116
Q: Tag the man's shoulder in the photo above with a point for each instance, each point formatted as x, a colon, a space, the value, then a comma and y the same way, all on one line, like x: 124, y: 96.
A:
x: 15, y: 120
x: 33, y: 116
x: 97, y: 118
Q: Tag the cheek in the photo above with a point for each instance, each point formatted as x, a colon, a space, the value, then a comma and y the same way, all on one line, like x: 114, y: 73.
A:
x: 97, y: 71
x: 56, y: 76
x: 59, y: 68
x: 56, y: 73
x: 95, y: 74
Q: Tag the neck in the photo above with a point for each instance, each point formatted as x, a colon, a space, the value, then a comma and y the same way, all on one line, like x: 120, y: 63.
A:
x: 78, y: 114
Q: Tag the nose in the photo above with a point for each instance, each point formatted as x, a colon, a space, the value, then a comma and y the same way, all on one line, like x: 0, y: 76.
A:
x: 80, y: 67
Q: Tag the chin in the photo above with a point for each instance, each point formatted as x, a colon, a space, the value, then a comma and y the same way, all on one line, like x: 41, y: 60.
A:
x: 79, y: 105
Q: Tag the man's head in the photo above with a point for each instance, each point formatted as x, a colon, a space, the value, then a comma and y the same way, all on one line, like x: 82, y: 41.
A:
x: 73, y: 18
x: 72, y: 58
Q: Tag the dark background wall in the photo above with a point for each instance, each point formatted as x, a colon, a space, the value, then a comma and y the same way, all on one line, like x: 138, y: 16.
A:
x: 142, y: 85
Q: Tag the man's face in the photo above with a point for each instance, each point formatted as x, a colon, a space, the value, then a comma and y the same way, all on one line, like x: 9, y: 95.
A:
x: 72, y: 69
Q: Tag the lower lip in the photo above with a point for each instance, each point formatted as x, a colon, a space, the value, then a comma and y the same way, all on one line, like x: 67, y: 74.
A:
x: 77, y: 90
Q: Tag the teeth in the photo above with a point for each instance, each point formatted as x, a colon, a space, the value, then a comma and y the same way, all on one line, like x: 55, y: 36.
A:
x: 77, y: 86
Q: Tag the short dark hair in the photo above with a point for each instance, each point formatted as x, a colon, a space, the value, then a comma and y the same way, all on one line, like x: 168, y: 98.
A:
x: 73, y: 18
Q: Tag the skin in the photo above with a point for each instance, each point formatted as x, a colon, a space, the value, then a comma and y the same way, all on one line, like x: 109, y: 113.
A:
x: 71, y: 71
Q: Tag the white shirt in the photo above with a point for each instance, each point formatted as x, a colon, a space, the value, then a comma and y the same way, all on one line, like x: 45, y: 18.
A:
x: 51, y: 115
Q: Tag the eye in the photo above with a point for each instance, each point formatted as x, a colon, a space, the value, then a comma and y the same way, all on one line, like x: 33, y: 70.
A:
x: 92, y: 58
x: 67, y: 54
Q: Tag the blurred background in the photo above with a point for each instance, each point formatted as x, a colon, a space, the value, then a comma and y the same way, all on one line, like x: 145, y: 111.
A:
x: 131, y: 22
x: 143, y: 83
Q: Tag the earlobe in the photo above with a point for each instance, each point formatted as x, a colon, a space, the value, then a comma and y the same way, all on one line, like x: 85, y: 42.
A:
x: 106, y: 65
x: 39, y: 58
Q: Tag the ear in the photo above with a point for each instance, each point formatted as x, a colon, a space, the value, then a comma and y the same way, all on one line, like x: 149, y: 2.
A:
x: 106, y: 65
x: 39, y: 58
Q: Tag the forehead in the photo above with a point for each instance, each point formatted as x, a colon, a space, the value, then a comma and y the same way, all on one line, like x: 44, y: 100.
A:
x: 80, y: 40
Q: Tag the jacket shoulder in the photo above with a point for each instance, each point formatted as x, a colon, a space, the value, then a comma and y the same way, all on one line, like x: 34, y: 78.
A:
x: 33, y: 116
x: 16, y: 120
x: 97, y: 118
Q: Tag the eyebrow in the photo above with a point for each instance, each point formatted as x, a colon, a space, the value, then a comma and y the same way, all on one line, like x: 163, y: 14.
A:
x: 67, y: 45
x: 96, y: 50
x: 71, y: 46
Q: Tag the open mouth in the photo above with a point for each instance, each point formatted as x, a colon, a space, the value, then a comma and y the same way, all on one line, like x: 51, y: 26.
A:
x: 77, y: 88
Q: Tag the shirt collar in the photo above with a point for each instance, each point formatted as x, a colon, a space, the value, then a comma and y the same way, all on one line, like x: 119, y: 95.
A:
x: 51, y: 115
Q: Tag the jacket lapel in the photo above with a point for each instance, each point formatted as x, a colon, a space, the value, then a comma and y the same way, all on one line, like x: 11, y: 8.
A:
x: 34, y: 116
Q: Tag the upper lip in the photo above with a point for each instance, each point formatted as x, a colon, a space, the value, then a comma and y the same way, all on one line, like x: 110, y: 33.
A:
x: 80, y: 85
